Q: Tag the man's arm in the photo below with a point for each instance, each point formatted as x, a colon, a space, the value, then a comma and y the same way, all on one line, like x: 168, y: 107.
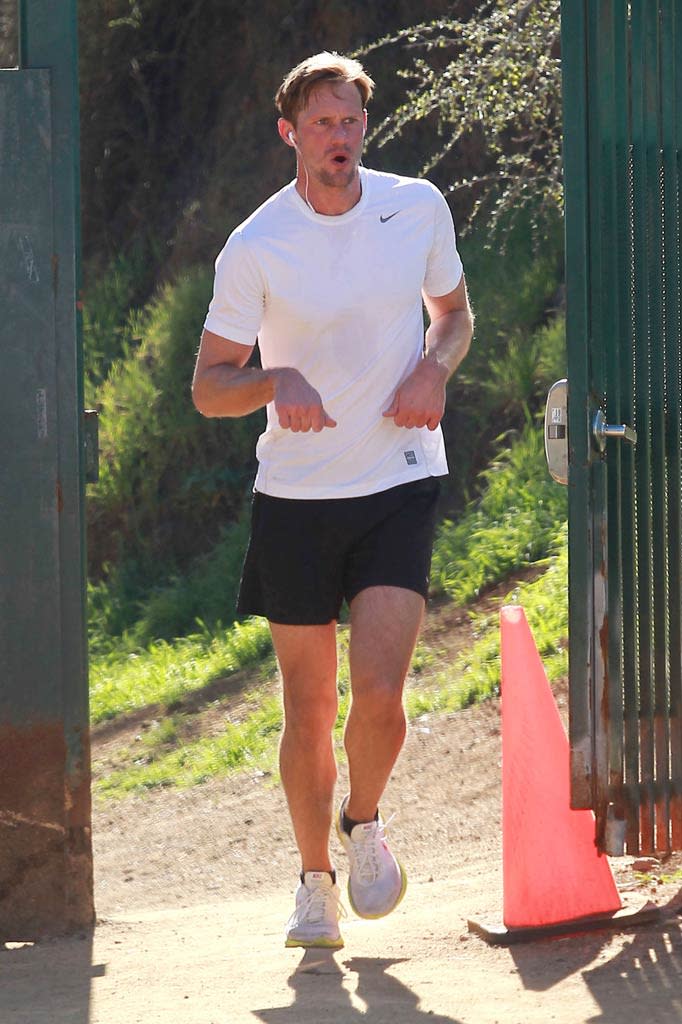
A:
x: 224, y: 385
x: 420, y: 400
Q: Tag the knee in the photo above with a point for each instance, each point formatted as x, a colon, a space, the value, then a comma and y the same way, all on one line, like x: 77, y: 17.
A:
x: 380, y: 698
x: 310, y: 719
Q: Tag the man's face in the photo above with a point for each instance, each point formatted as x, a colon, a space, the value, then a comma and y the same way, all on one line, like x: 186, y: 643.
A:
x: 330, y: 132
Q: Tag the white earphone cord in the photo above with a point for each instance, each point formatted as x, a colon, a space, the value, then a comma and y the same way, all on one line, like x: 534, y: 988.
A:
x: 305, y: 171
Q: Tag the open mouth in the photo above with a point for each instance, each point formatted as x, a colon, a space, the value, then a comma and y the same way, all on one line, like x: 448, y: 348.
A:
x: 340, y: 159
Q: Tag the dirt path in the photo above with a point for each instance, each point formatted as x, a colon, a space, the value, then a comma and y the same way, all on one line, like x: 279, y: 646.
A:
x: 193, y: 889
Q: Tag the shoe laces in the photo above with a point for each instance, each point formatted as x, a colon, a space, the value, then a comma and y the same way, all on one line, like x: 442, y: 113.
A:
x: 316, y: 906
x: 365, y: 851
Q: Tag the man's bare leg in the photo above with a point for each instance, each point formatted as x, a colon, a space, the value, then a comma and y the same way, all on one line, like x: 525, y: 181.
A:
x: 307, y: 660
x: 384, y: 626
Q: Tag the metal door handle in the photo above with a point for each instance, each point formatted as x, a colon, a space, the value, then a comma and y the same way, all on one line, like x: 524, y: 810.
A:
x: 601, y: 430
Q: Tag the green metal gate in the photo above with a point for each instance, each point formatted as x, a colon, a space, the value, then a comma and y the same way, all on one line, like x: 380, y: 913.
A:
x: 45, y: 848
x: 623, y: 139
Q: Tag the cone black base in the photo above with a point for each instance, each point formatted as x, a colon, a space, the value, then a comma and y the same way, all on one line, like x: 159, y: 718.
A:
x: 620, y: 920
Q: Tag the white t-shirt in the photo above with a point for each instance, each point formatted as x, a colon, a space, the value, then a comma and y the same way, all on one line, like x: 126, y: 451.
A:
x: 339, y: 299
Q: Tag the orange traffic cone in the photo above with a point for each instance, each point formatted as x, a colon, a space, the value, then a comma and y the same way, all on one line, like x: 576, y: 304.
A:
x: 555, y: 881
x: 551, y: 868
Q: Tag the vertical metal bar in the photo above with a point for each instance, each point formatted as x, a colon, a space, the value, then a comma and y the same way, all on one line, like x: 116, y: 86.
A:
x: 671, y: 96
x: 600, y: 289
x: 644, y: 114
x: 630, y: 589
x: 574, y: 71
x: 614, y: 239
x: 659, y: 411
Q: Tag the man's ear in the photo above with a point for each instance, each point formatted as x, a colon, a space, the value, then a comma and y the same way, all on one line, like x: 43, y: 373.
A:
x: 285, y: 129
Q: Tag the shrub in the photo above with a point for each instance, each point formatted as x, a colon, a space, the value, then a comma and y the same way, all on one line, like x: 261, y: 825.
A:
x: 170, y: 480
x: 106, y: 318
x: 513, y: 524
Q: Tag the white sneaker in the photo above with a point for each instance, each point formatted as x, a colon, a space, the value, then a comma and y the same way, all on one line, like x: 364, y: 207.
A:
x: 377, y: 880
x: 315, y: 921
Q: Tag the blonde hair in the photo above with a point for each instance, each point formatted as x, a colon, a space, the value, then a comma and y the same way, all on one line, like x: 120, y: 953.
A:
x: 293, y: 94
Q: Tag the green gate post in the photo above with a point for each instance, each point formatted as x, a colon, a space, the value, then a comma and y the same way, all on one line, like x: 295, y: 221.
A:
x: 45, y: 840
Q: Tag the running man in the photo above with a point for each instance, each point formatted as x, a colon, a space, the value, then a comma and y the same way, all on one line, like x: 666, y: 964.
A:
x: 328, y: 275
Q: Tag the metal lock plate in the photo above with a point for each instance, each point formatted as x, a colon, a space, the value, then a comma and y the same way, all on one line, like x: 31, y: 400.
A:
x: 556, y: 431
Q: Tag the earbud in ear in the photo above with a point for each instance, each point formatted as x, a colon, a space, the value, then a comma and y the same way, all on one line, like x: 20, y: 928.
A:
x: 291, y: 138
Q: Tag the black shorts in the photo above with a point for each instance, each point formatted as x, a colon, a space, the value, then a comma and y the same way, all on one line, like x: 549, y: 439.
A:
x: 306, y: 556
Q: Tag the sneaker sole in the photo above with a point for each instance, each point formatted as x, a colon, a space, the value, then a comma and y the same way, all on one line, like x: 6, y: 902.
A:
x: 403, y: 884
x: 314, y: 943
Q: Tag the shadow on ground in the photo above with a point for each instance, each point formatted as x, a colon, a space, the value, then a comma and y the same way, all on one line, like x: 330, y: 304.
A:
x: 640, y: 985
x: 36, y: 979
x: 358, y: 991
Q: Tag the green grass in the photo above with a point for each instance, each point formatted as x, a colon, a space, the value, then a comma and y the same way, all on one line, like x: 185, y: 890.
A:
x: 122, y: 681
x: 251, y: 743
x: 674, y: 876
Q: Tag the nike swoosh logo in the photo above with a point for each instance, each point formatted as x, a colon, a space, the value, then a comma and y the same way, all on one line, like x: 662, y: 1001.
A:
x: 384, y: 219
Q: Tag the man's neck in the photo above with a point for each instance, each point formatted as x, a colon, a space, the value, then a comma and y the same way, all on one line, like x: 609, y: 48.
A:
x: 330, y: 202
